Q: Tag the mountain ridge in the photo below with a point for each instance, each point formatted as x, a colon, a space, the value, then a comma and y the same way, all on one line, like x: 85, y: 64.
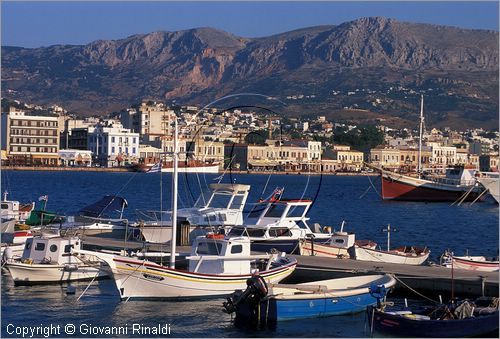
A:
x: 200, y: 64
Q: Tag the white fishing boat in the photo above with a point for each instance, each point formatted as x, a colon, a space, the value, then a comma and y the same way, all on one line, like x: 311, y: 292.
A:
x: 217, y: 265
x: 337, y: 247
x: 489, y: 180
x: 12, y: 213
x: 222, y: 206
x: 49, y: 259
x: 409, y: 255
x: 470, y: 263
x: 279, y: 224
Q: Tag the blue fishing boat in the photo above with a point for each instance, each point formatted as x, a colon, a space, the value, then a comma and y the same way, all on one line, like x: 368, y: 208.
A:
x: 457, y: 319
x: 280, y: 302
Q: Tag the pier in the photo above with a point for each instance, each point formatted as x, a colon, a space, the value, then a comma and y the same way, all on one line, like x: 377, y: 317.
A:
x: 429, y: 280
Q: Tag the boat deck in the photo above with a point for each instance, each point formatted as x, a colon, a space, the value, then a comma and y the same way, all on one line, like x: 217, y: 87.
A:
x: 430, y: 279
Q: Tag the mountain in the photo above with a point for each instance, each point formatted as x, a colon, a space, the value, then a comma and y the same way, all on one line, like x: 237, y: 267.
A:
x: 369, y: 69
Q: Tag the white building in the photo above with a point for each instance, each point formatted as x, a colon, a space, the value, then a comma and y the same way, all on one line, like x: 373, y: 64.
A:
x: 113, y: 145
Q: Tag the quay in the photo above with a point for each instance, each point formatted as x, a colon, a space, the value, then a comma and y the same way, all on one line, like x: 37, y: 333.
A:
x: 432, y: 280
x: 125, y: 169
x: 428, y: 280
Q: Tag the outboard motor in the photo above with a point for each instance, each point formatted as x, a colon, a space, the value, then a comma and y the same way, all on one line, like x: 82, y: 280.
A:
x: 255, y: 291
x: 379, y: 292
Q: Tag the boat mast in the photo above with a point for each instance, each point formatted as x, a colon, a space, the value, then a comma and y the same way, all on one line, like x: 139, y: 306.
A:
x: 174, y: 199
x: 419, y: 168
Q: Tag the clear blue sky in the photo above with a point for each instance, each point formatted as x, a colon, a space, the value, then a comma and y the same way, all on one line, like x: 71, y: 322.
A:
x: 35, y: 24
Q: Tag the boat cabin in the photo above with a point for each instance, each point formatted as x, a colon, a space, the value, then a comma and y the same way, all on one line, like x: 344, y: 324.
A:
x: 342, y: 240
x: 215, y: 254
x: 55, y: 250
x: 285, y: 213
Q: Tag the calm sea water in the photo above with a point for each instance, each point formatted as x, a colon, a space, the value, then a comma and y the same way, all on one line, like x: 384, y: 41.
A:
x: 436, y: 225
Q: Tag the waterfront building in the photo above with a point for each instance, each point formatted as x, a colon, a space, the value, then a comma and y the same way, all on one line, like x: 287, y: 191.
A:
x: 29, y: 139
x: 385, y: 157
x: 113, y: 145
x: 75, y: 157
x: 442, y: 156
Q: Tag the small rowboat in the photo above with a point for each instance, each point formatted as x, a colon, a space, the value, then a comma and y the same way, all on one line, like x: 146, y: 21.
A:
x: 279, y: 302
x: 471, y: 263
x: 459, y: 319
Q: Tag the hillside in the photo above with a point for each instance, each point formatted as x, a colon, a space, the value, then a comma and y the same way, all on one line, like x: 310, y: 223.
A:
x: 365, y: 70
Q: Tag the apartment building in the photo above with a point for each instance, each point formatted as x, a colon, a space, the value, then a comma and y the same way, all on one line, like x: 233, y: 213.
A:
x: 29, y: 139
x: 148, y: 118
x: 113, y: 145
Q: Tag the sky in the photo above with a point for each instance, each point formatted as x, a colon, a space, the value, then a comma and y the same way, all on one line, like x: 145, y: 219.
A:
x: 36, y: 23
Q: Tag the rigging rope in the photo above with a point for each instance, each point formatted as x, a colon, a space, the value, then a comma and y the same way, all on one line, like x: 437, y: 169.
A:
x: 413, y: 290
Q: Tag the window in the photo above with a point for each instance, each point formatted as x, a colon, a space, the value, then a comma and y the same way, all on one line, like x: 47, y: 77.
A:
x: 296, y: 211
x: 209, y: 247
x: 235, y: 249
x: 5, y: 206
x: 53, y: 248
x: 40, y: 246
x: 279, y: 232
x: 133, y: 150
x: 113, y: 150
x: 275, y: 211
x: 67, y: 248
x: 112, y: 139
x: 28, y: 245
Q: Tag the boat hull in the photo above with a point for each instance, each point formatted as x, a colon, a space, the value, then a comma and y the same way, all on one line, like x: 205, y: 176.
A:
x: 139, y: 280
x: 282, y: 310
x: 30, y: 274
x: 468, y: 263
x: 399, y: 326
x: 321, y: 250
x: 402, y: 188
x: 491, y: 184
x: 367, y: 254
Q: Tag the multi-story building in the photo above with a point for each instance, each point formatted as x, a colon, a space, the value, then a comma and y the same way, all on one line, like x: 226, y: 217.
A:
x: 113, y: 145
x: 385, y: 157
x: 442, y: 156
x: 148, y: 118
x: 296, y: 155
x: 29, y: 139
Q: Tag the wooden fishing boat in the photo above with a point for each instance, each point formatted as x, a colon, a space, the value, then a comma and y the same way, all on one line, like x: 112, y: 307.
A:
x: 456, y: 320
x: 471, y: 263
x: 409, y: 255
x: 217, y: 266
x: 281, y: 302
x: 458, y: 183
x: 336, y: 247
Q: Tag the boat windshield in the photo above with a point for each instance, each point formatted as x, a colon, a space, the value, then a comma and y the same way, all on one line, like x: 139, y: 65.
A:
x: 209, y: 247
x: 275, y: 211
x: 219, y: 200
x: 257, y: 211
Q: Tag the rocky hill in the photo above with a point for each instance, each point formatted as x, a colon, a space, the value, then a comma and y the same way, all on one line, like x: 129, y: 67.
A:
x: 364, y: 70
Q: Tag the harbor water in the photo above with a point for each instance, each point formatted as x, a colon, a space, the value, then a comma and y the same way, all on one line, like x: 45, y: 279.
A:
x: 353, y: 199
